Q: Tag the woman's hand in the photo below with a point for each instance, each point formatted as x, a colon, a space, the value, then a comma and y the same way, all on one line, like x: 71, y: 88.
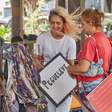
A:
x: 78, y: 69
x: 37, y: 63
x: 70, y: 70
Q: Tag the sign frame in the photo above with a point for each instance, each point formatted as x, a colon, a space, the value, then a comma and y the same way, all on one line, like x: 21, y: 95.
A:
x: 73, y: 81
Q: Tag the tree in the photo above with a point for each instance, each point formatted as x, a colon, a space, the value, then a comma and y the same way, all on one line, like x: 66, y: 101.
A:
x: 31, y: 4
x: 32, y: 9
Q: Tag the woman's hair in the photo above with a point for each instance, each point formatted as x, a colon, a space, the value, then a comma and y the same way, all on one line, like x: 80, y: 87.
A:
x: 70, y: 27
x: 93, y: 16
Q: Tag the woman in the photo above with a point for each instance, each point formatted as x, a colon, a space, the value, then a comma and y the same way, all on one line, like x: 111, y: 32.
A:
x: 95, y: 49
x: 58, y: 40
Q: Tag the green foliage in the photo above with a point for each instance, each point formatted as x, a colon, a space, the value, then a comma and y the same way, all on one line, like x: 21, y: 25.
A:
x: 109, y: 26
x: 4, y: 33
x: 3, y: 30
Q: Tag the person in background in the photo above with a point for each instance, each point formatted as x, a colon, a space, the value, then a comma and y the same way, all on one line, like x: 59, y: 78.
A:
x: 96, y: 45
x: 57, y: 40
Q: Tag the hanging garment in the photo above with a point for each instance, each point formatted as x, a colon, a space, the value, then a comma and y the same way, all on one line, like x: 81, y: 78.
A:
x: 21, y: 79
x: 26, y: 88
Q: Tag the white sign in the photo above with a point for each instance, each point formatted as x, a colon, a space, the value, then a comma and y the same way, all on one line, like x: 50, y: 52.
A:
x: 55, y: 80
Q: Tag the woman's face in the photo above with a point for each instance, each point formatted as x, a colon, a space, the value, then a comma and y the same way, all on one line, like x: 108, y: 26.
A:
x: 56, y: 24
x: 86, y: 27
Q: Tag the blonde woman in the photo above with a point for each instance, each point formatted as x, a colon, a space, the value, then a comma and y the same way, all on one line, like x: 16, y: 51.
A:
x: 58, y: 40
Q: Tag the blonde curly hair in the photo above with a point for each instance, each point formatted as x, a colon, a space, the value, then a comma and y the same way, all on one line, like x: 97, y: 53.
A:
x: 70, y: 26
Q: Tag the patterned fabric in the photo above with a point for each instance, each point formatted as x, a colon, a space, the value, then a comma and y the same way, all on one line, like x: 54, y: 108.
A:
x: 89, y: 86
x: 3, y: 105
x: 25, y: 72
x: 22, y: 77
x: 95, y: 69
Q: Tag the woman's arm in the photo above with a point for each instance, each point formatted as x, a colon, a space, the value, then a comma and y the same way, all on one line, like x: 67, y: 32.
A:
x: 77, y: 69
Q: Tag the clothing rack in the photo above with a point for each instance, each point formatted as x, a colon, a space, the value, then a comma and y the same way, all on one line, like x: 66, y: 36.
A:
x: 11, y: 57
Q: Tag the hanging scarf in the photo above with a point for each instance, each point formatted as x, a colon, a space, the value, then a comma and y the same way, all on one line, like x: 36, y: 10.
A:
x: 27, y: 78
